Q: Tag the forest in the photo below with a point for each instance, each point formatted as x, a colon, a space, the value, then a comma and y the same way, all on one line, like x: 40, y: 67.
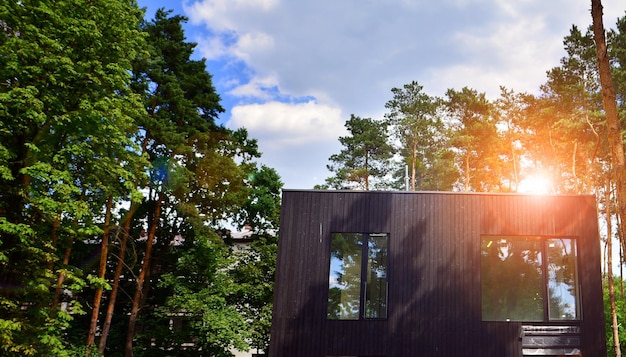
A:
x: 118, y: 186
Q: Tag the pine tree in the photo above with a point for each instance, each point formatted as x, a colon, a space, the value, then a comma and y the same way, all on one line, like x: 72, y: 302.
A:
x: 415, y: 118
x: 364, y: 162
x: 476, y: 140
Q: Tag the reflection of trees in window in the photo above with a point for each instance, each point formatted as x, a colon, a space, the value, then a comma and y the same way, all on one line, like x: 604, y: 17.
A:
x: 351, y: 281
x: 562, y: 285
x: 376, y: 288
x: 511, y: 279
x: 345, y: 276
x: 514, y: 275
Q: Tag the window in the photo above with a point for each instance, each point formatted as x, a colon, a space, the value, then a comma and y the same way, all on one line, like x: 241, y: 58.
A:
x: 529, y: 278
x: 357, y: 288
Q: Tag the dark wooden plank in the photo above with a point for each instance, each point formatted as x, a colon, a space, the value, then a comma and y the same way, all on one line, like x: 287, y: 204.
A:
x: 434, y: 270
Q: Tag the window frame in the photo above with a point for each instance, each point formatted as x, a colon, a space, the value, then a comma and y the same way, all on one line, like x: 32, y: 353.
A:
x: 545, y: 277
x: 363, y: 275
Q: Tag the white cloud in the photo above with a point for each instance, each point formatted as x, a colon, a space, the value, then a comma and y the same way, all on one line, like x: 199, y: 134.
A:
x: 222, y: 14
x: 289, y: 124
x: 250, y: 44
x: 256, y: 88
x: 211, y: 48
x: 296, y: 139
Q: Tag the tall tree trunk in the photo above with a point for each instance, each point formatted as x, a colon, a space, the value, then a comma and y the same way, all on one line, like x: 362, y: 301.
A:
x: 574, y: 163
x: 467, y: 173
x: 609, y: 272
x: 128, y: 350
x: 413, y: 164
x: 514, y: 156
x: 61, y: 278
x: 614, y: 130
x: 367, y: 171
x: 104, y: 249
x: 106, y: 326
x: 55, y: 239
x: 66, y: 261
x: 621, y: 272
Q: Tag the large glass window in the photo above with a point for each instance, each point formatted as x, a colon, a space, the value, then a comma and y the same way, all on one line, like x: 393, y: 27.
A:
x: 344, y: 295
x: 528, y: 278
x: 357, y: 287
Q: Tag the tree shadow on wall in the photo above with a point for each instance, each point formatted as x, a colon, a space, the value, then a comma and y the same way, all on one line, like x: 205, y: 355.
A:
x: 435, y: 308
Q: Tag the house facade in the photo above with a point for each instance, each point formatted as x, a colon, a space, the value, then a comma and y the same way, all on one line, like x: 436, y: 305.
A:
x: 384, y: 274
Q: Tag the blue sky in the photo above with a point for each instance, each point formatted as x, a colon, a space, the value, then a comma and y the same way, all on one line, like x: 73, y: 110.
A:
x: 292, y: 71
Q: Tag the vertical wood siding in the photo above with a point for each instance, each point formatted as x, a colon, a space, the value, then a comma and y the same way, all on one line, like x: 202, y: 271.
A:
x: 434, y: 271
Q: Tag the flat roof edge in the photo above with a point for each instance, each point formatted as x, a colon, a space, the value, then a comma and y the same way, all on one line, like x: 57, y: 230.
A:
x: 442, y: 193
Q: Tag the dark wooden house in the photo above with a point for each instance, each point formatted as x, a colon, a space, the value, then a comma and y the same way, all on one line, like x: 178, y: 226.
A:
x: 437, y: 274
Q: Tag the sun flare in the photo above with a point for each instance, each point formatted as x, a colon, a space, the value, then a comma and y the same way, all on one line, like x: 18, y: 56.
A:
x: 535, y: 184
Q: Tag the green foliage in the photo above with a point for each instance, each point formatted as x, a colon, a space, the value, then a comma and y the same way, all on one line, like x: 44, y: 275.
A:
x: 84, y: 351
x: 254, y: 272
x: 416, y: 121
x: 568, y: 120
x: 365, y: 156
x: 261, y: 211
x: 98, y: 283
x: 200, y: 288
x: 467, y: 142
x: 198, y: 176
x: 91, y: 98
x: 620, y: 300
x: 47, y: 323
x: 66, y: 113
x: 475, y: 139
x: 616, y: 39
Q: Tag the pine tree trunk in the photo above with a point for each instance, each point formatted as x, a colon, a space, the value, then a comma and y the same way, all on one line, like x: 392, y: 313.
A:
x: 610, y: 108
x: 104, y: 250
x: 609, y: 271
x: 128, y: 350
x: 614, y: 133
x: 106, y: 326
x: 467, y: 173
x: 413, y: 166
x: 66, y: 257
x: 120, y: 262
x: 367, y: 171
x: 514, y: 156
x: 61, y: 278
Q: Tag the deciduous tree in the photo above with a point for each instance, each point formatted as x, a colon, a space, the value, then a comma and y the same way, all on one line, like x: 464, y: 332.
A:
x: 66, y: 112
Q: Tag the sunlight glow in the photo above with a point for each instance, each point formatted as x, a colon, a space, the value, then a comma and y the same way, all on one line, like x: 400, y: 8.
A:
x: 535, y: 184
